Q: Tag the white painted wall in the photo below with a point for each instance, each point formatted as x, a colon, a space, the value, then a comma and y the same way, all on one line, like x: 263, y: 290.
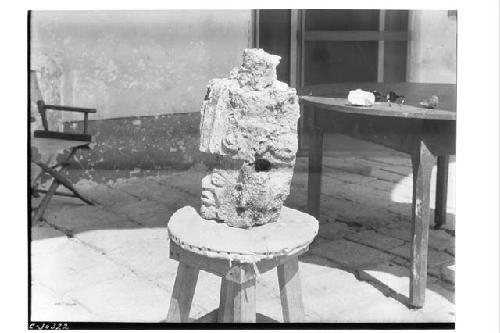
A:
x: 432, y: 53
x: 130, y: 63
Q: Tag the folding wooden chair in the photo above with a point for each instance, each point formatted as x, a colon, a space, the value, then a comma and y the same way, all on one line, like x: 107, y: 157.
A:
x: 47, y: 144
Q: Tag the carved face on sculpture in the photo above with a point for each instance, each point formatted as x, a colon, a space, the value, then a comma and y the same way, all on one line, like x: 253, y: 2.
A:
x: 249, y: 122
x: 244, y: 197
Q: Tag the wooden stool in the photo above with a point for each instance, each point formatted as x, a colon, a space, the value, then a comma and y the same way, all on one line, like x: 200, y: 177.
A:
x: 238, y: 256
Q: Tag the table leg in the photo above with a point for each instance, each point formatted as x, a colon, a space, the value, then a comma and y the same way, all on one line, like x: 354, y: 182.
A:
x: 182, y: 295
x: 422, y: 161
x: 291, y: 291
x: 315, y: 167
x: 441, y: 191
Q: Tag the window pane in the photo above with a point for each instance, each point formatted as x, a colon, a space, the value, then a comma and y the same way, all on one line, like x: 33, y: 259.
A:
x: 396, y: 20
x: 274, y: 38
x: 334, y: 62
x: 395, y: 61
x: 341, y: 19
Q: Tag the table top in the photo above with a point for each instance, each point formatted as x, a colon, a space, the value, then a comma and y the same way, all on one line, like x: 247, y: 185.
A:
x: 414, y: 93
x: 383, y: 109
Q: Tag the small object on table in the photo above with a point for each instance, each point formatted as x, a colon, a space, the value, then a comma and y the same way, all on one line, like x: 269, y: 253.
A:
x: 378, y: 96
x: 360, y: 97
x: 431, y: 102
x: 393, y: 97
x: 238, y: 256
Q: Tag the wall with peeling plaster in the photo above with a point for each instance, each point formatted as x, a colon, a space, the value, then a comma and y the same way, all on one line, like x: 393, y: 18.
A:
x: 149, y: 143
x: 138, y: 63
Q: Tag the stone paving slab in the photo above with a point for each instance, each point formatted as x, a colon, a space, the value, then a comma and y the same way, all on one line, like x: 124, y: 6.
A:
x: 344, y: 177
x: 388, y: 176
x: 206, y: 295
x: 351, y: 213
x: 375, y: 240
x: 448, y: 273
x: 402, y: 168
x: 103, y: 194
x: 336, y: 295
x: 58, y: 203
x: 349, y: 254
x: 188, y: 182
x: 148, y: 259
x: 381, y: 185
x: 347, y: 164
x: 334, y: 230
x: 359, y: 194
x: 86, y: 218
x: 73, y: 266
x: 392, y: 280
x: 440, y: 240
x: 146, y: 212
x: 149, y: 188
x: 400, y: 231
x: 46, y: 306
x: 124, y: 299
x: 109, y: 240
x: 434, y: 258
x: 45, y: 239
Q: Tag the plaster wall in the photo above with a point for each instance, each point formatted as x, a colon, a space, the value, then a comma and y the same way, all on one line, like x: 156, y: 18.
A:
x: 432, y: 55
x: 138, y: 63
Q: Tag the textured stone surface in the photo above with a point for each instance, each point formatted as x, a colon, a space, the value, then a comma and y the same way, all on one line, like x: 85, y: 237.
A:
x: 374, y: 239
x: 249, y: 121
x: 349, y: 254
x: 334, y: 230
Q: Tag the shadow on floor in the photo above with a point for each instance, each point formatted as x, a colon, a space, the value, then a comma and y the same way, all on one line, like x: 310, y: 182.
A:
x: 211, y: 317
x: 368, y: 275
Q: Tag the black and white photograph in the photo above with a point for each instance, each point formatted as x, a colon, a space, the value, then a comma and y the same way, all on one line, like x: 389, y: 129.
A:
x: 247, y: 168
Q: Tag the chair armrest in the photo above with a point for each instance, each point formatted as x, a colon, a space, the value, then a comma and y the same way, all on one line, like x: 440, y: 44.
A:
x: 69, y: 108
x: 42, y: 107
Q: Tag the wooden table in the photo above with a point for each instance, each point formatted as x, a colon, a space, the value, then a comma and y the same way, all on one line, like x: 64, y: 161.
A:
x: 424, y: 134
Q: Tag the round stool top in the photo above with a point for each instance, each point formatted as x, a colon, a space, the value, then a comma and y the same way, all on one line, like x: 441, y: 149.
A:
x: 293, y: 232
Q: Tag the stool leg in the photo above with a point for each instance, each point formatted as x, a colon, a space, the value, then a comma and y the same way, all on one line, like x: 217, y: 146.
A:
x: 290, y: 291
x: 182, y: 295
x: 225, y: 312
x: 237, y: 303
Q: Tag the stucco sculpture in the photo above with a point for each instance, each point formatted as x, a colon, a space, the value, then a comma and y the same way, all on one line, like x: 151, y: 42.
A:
x: 249, y: 121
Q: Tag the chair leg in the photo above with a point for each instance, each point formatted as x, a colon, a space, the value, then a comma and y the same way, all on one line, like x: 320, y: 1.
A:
x: 63, y: 180
x: 291, y: 291
x: 40, y: 210
x: 237, y: 304
x: 182, y: 295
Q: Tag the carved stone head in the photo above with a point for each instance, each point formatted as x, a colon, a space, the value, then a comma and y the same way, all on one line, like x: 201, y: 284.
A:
x: 249, y: 121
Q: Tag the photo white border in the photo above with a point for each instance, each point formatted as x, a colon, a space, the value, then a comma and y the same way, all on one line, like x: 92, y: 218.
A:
x: 477, y: 282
